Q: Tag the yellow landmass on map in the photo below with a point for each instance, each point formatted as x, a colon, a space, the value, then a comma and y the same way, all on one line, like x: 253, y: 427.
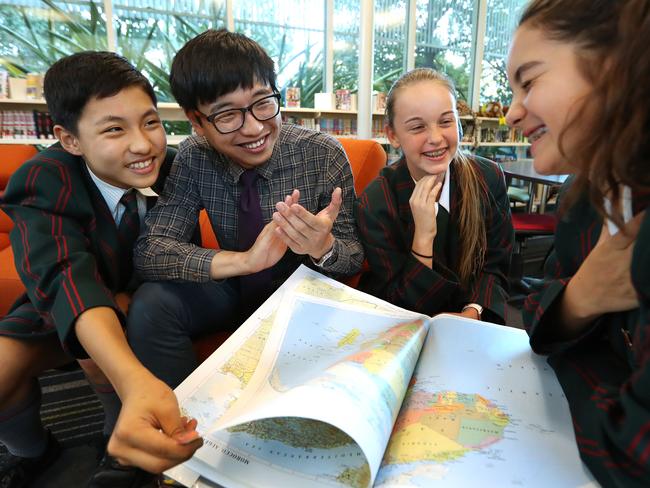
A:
x: 382, y: 363
x: 440, y: 426
x: 244, y: 361
x: 349, y: 338
x: 417, y: 442
x: 355, y: 477
x: 317, y: 288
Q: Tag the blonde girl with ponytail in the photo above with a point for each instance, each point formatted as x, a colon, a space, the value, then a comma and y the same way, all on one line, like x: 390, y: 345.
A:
x: 435, y: 225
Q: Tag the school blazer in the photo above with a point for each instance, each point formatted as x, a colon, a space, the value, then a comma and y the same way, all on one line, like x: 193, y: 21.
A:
x: 605, y: 377
x: 386, y: 229
x: 65, y: 246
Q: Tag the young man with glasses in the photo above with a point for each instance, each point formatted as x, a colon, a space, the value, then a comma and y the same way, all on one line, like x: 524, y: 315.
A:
x: 276, y: 195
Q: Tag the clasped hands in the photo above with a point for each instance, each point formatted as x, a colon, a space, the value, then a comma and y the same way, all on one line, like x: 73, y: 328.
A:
x: 296, y: 228
x: 304, y: 232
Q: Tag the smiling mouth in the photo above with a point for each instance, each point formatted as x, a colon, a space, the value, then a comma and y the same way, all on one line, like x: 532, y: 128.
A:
x: 537, y: 133
x: 435, y: 154
x: 254, y: 145
x: 141, y: 164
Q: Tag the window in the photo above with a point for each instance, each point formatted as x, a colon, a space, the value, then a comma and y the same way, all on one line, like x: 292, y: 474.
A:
x: 150, y: 32
x: 444, y: 39
x: 292, y: 33
x: 346, y: 44
x: 34, y: 35
x: 502, y: 18
x: 390, y: 42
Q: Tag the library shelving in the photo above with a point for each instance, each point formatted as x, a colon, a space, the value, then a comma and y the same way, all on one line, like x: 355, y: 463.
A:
x: 341, y: 123
x: 478, y: 131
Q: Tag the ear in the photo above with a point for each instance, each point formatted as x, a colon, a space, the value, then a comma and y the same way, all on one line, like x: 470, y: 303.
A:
x: 392, y: 137
x: 68, y: 140
x: 195, y: 120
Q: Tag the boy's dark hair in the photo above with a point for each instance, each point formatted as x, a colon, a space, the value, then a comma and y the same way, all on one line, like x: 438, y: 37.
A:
x: 217, y: 62
x: 73, y: 81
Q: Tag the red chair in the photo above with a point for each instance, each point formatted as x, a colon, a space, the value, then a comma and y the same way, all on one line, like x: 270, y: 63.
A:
x: 526, y: 225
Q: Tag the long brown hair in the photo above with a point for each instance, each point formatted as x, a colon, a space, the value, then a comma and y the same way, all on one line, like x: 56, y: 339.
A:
x: 473, y: 239
x: 611, y: 39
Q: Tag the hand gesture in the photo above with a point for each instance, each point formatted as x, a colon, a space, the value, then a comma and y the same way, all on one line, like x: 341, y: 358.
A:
x: 304, y: 232
x: 267, y: 250
x: 422, y: 203
x: 150, y: 432
x: 603, y: 282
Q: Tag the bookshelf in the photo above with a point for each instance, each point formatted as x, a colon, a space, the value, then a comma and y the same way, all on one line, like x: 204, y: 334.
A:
x: 340, y: 123
x: 488, y: 132
x: 478, y: 131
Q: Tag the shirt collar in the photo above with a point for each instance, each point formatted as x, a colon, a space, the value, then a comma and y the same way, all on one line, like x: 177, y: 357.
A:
x: 626, y: 206
x: 112, y: 194
x: 444, y: 191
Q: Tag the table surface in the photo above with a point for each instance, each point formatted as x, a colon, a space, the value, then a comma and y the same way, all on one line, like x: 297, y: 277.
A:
x: 523, y: 169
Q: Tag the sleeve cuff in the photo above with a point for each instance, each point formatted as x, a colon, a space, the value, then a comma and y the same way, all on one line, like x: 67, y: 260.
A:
x: 326, y: 257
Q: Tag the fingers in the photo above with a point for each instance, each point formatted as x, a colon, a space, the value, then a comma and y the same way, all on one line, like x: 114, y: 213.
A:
x: 151, y: 449
x: 626, y: 236
x: 295, y: 196
x: 332, y: 210
x: 427, y: 189
x: 294, y: 221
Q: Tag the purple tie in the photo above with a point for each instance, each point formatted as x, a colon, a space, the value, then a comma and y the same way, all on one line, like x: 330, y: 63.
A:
x: 251, y: 223
x: 128, y: 232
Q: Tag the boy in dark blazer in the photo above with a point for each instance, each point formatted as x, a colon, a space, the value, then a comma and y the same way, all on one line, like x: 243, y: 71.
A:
x: 77, y: 208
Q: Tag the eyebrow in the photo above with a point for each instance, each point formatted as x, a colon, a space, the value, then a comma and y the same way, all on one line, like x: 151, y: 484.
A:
x: 525, y: 67
x: 411, y: 119
x: 219, y: 106
x: 115, y: 118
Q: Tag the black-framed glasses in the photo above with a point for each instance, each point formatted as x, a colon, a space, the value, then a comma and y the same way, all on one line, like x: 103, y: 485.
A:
x: 231, y: 120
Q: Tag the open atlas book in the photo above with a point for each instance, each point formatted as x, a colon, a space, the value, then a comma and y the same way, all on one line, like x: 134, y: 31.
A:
x: 327, y: 386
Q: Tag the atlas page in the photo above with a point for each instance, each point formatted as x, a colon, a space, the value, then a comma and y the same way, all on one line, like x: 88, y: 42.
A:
x: 306, y: 392
x: 482, y: 410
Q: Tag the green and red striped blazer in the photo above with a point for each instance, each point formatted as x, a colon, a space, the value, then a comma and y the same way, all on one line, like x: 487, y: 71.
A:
x: 65, y: 246
x: 606, y: 382
x: 386, y: 229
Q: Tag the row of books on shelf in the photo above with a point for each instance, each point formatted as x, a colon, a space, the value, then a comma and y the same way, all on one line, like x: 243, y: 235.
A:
x: 339, y: 127
x: 342, y: 99
x: 25, y: 124
x: 501, y: 134
x: 490, y: 133
x: 335, y: 126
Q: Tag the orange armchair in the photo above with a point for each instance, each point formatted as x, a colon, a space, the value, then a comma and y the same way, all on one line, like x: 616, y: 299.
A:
x: 11, y: 157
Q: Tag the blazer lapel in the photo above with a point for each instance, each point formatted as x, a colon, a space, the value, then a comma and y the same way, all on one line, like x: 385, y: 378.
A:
x: 104, y: 236
x: 404, y: 189
x: 453, y: 231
